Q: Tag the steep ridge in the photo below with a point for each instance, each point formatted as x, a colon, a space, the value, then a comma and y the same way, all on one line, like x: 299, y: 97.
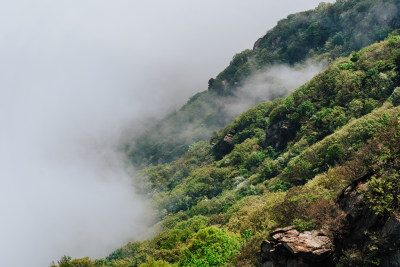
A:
x: 222, y: 198
x: 324, y: 34
x: 322, y: 159
x: 335, y: 123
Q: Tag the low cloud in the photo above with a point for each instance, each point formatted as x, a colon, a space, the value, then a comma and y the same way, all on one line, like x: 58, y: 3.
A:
x: 267, y: 84
x: 66, y: 187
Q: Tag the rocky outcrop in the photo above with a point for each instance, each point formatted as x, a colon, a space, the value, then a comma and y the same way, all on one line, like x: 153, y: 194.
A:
x: 288, y: 247
x: 224, y: 146
x: 279, y: 134
x: 228, y: 138
x: 376, y: 237
x: 256, y: 46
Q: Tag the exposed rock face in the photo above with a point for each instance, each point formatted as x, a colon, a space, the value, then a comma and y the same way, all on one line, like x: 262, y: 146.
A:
x: 364, y: 229
x: 224, y: 146
x: 279, y: 134
x: 376, y: 238
x: 228, y: 138
x: 289, y: 247
x: 256, y: 46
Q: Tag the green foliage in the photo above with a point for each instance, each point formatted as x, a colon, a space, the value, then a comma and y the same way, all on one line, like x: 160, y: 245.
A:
x: 384, y: 185
x: 243, y: 182
x: 338, y: 39
x: 280, y: 162
x: 325, y: 33
x: 243, y: 154
x: 173, y: 238
x: 66, y: 261
x: 254, y: 213
x: 288, y: 104
x: 356, y: 107
x: 371, y: 72
x: 384, y: 194
x: 213, y: 206
x: 100, y: 262
x: 327, y: 120
x: 246, y: 235
x: 395, y: 97
x: 237, y: 70
x: 334, y: 153
x: 306, y: 108
x: 247, y: 190
x: 84, y: 262
x: 250, y: 124
x: 302, y: 225
x: 280, y: 186
x: 393, y: 40
x: 211, y: 247
x: 355, y: 57
x: 346, y: 66
x: 167, y: 176
x: 159, y: 263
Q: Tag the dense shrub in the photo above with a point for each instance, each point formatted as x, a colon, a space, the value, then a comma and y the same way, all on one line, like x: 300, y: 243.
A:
x: 211, y: 247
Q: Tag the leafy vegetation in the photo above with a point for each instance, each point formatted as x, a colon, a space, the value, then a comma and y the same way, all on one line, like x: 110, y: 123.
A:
x: 325, y: 34
x: 281, y: 162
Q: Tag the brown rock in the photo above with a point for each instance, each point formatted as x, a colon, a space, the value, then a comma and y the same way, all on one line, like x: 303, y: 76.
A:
x: 289, y: 247
x: 228, y: 138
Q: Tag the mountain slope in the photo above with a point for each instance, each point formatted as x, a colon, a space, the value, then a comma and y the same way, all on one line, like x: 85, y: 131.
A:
x: 326, y: 33
x: 283, y: 163
x: 328, y: 131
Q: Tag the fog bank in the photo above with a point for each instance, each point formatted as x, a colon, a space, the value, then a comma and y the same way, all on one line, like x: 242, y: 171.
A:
x: 272, y: 82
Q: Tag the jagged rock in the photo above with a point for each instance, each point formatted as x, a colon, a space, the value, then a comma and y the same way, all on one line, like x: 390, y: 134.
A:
x: 360, y: 228
x: 224, y: 146
x: 256, y: 46
x: 279, y: 134
x: 228, y: 138
x: 364, y: 229
x: 288, y: 247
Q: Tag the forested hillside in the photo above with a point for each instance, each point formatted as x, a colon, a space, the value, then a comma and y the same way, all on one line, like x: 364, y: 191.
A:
x: 325, y: 157
x: 281, y: 163
x: 324, y: 34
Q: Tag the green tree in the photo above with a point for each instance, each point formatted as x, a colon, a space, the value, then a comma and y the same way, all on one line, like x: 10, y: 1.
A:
x: 211, y: 247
